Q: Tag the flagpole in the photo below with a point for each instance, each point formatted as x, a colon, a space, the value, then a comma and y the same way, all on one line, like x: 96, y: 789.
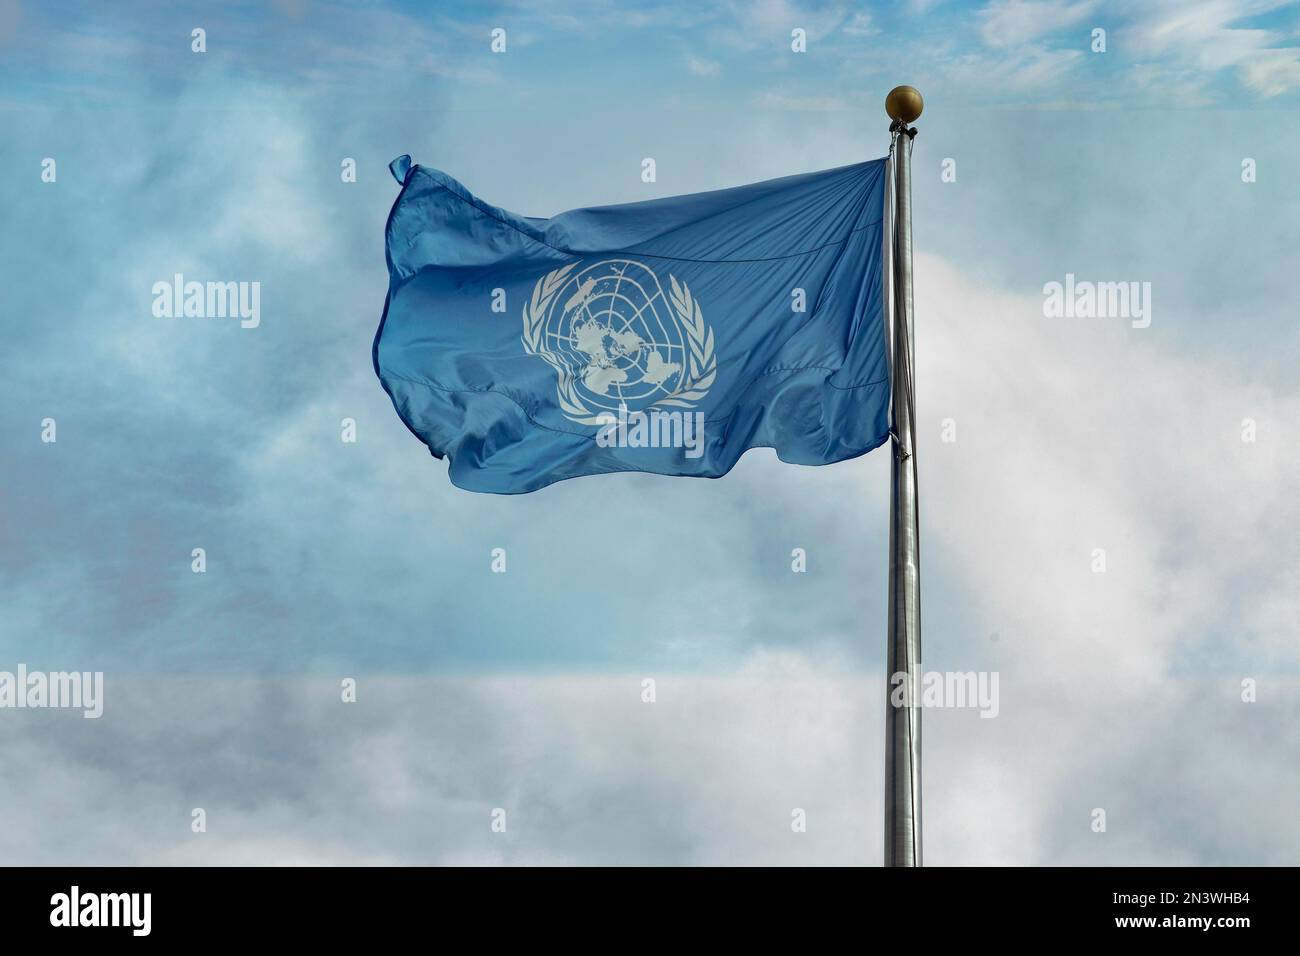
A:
x: 903, y: 722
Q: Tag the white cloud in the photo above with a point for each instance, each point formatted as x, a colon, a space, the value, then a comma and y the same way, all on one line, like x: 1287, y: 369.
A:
x: 587, y: 773
x: 1200, y: 34
x: 785, y: 100
x: 1029, y: 70
x: 1008, y: 23
x: 860, y: 26
x: 1082, y: 434
x: 1272, y: 72
x: 769, y: 22
x: 698, y: 66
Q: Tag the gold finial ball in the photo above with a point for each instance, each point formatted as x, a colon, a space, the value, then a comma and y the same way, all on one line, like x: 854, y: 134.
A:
x: 904, y: 103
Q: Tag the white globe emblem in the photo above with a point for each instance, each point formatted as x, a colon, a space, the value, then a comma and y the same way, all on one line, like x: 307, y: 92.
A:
x: 616, y: 337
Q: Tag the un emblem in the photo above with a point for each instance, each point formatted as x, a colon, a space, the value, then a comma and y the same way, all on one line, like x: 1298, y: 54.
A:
x: 615, y: 338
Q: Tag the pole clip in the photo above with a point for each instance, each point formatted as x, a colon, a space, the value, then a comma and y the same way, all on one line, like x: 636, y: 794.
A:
x: 898, y: 126
x: 901, y: 453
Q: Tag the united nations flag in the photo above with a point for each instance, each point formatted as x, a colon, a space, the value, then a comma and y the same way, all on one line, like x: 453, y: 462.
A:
x: 667, y: 336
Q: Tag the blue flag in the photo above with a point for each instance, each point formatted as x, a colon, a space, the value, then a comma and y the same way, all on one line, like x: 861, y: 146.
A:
x: 665, y: 336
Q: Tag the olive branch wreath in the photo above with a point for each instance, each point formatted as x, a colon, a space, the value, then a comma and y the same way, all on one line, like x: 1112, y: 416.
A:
x: 701, y: 366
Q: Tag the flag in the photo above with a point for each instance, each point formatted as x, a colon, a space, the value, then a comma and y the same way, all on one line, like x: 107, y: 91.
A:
x: 667, y: 336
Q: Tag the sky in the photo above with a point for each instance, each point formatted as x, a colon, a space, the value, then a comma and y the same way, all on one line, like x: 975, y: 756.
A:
x: 522, y: 691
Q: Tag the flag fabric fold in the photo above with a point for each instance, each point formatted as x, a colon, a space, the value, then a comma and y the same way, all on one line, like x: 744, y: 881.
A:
x: 667, y: 336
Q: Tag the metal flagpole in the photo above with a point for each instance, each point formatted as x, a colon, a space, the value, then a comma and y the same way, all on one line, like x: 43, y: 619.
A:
x: 902, y: 708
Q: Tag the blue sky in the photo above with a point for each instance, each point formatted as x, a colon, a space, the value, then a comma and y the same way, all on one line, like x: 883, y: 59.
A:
x: 327, y: 559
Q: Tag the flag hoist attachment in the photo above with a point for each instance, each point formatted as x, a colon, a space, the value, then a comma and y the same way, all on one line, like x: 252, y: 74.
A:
x: 902, y: 700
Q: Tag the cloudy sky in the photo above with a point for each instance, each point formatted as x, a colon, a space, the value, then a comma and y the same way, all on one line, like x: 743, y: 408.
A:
x: 1119, y: 690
